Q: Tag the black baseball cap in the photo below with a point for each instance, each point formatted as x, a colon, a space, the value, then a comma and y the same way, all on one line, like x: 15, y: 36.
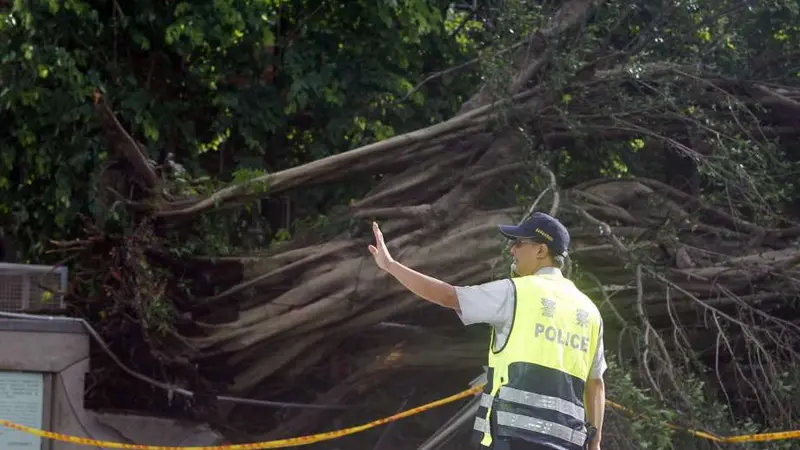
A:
x: 541, y: 227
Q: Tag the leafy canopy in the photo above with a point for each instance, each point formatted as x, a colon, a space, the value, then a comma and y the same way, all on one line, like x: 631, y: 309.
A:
x: 230, y: 88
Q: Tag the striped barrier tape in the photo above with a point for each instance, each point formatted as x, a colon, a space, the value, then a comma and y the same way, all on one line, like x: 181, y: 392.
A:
x: 314, y: 438
x: 280, y: 443
x: 762, y: 437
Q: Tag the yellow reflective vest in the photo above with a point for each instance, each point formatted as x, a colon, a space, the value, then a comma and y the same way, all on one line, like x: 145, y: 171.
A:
x: 535, y: 382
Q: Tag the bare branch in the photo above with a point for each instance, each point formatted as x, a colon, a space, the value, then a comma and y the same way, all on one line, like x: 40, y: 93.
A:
x: 124, y: 144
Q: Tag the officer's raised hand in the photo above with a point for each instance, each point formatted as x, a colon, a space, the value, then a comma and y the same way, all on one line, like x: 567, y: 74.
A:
x: 379, y: 250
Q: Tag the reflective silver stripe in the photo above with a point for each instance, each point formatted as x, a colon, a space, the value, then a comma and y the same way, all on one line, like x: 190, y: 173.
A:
x: 486, y: 400
x: 539, y: 426
x: 481, y: 425
x: 541, y: 401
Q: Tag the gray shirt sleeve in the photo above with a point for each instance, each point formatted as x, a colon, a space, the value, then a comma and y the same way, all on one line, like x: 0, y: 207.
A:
x: 491, y: 303
x: 599, y: 364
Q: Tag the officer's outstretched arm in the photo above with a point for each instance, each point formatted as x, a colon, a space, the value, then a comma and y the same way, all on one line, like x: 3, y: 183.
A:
x: 595, y: 407
x: 429, y: 288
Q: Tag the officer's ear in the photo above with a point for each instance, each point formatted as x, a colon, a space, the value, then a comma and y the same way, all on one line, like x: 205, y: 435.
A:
x: 542, y: 251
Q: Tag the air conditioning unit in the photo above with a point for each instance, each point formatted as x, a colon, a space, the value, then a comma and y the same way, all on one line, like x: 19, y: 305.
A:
x: 30, y: 287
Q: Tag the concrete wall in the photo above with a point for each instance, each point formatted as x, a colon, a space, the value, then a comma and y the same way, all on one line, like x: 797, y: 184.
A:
x: 60, y: 349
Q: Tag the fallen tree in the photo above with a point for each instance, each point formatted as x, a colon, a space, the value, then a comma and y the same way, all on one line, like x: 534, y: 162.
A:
x: 684, y: 242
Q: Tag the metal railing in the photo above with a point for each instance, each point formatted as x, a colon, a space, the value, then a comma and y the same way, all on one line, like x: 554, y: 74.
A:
x: 30, y: 287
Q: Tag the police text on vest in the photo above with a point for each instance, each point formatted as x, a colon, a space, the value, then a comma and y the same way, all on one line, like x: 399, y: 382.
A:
x: 565, y: 338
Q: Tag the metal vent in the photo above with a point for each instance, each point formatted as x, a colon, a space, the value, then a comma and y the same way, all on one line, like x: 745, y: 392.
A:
x: 31, y: 287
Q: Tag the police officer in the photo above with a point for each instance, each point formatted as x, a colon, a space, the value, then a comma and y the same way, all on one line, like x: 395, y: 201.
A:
x: 545, y: 386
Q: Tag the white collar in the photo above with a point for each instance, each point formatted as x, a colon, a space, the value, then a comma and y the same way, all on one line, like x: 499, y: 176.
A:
x: 549, y: 271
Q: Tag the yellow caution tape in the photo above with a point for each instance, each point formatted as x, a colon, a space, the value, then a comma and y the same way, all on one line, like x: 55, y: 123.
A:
x: 314, y: 438
x: 763, y: 437
x: 281, y: 443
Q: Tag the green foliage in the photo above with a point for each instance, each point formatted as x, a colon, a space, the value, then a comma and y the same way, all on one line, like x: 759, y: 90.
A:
x: 650, y: 424
x: 646, y: 416
x: 227, y: 87
x: 739, y: 162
